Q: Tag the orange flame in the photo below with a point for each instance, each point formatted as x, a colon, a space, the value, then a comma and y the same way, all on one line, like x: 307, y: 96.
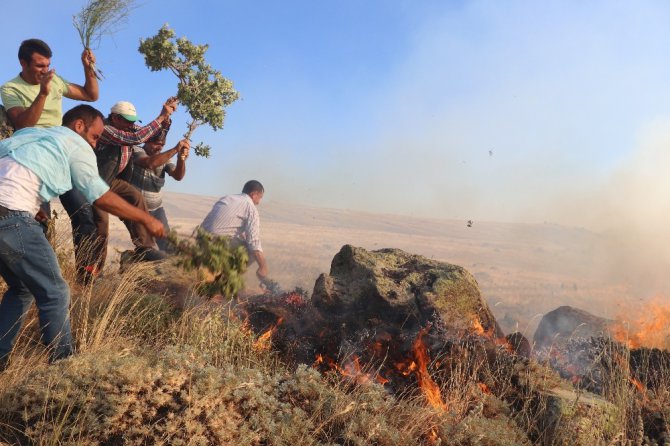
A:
x: 649, y: 328
x: 638, y: 385
x: 430, y: 389
x: 264, y: 341
x: 484, y: 388
x: 351, y: 369
x: 477, y: 327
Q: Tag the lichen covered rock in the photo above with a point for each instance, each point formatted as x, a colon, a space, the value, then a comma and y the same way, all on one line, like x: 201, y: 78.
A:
x: 408, y: 288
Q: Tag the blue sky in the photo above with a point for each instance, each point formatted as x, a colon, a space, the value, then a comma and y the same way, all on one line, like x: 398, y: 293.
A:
x: 512, y: 111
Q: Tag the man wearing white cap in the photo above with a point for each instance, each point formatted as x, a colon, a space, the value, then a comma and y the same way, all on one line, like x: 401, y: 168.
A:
x: 114, y: 153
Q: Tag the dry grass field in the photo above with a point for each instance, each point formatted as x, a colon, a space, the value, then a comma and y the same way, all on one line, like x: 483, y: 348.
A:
x: 524, y: 270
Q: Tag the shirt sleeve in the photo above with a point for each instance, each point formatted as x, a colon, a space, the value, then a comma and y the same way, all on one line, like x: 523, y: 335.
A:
x: 10, y: 98
x: 112, y: 135
x: 85, y: 175
x: 169, y: 168
x: 139, y: 153
x: 252, y: 229
x: 64, y: 85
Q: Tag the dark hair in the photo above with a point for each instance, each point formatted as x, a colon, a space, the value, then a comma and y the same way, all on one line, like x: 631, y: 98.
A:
x: 30, y: 46
x: 161, y: 135
x: 84, y: 112
x: 252, y: 186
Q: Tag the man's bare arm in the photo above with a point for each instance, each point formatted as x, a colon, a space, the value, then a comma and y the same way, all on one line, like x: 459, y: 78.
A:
x: 180, y: 169
x: 115, y: 205
x: 28, y: 117
x: 262, y: 271
x: 89, y: 92
x: 153, y: 161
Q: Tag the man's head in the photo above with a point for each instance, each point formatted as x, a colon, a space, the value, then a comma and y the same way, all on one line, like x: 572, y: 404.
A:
x: 156, y: 143
x: 35, y: 60
x: 123, y: 115
x: 87, y: 121
x: 255, y: 190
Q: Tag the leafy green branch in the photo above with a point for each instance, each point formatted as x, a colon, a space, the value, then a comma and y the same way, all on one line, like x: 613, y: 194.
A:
x: 215, y: 254
x: 204, y: 91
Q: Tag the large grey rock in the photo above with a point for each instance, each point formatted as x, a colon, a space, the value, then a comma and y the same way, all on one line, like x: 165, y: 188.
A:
x: 398, y: 287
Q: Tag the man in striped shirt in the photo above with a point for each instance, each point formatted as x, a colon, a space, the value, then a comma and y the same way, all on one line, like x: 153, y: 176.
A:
x: 236, y: 216
x: 113, y: 153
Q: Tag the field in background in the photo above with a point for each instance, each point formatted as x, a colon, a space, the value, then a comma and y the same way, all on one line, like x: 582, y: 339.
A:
x: 523, y: 270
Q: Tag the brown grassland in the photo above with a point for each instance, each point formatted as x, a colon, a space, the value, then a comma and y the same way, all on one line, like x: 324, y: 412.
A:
x: 147, y: 373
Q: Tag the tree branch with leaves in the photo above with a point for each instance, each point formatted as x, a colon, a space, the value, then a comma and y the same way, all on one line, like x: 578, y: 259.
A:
x: 214, y: 254
x: 202, y: 90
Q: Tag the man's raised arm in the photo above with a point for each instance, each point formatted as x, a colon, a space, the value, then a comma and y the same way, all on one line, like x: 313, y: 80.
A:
x: 89, y: 92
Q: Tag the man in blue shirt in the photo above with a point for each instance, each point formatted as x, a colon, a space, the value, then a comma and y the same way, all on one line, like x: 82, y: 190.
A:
x: 35, y: 166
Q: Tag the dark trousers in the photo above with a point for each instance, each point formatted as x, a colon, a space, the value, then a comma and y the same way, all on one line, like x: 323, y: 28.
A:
x: 139, y: 235
x: 84, y: 231
x: 163, y: 244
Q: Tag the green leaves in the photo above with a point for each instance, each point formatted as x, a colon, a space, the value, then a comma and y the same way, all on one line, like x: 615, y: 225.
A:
x: 202, y: 150
x: 215, y: 254
x: 204, y: 91
x: 159, y: 51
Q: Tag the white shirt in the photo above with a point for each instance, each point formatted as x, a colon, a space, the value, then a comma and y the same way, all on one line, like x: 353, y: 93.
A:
x: 235, y: 216
x: 19, y: 187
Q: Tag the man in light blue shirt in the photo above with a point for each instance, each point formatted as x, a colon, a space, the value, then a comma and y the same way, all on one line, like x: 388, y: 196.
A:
x: 35, y: 166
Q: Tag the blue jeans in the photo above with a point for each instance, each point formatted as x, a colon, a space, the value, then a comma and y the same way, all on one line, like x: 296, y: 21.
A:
x: 30, y: 267
x: 162, y: 243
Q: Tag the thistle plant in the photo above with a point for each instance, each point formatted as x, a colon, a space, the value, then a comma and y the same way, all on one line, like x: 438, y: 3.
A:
x: 202, y: 90
x: 99, y: 18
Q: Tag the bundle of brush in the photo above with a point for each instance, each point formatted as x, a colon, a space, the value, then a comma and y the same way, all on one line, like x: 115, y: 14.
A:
x: 99, y: 18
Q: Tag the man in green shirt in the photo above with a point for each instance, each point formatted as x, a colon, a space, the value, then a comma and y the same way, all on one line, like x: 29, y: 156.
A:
x: 34, y: 97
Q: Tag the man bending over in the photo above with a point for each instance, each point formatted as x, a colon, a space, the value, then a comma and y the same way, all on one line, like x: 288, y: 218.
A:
x: 35, y: 166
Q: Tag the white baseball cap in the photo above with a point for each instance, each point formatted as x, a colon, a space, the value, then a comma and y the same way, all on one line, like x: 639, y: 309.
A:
x: 126, y: 110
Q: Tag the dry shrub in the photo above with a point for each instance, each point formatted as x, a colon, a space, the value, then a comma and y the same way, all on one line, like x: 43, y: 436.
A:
x: 117, y: 307
x: 178, y: 397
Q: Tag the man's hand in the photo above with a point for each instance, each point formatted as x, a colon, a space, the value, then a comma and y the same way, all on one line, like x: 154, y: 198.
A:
x: 155, y: 227
x: 42, y: 217
x: 45, y: 82
x: 262, y: 272
x: 88, y: 59
x: 183, y: 148
x: 169, y: 107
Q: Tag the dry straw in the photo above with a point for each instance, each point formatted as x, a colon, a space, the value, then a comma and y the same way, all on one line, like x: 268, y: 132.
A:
x: 100, y: 18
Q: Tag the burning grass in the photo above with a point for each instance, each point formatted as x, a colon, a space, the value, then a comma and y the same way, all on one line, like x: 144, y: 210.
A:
x: 644, y: 326
x: 147, y: 373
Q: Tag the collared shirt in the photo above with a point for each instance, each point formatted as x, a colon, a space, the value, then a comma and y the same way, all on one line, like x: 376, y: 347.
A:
x: 112, y: 136
x: 59, y: 157
x: 19, y: 93
x: 235, y: 216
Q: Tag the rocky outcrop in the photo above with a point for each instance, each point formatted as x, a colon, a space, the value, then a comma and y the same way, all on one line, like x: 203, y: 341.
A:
x: 366, y: 318
x: 563, y: 323
x: 403, y: 288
